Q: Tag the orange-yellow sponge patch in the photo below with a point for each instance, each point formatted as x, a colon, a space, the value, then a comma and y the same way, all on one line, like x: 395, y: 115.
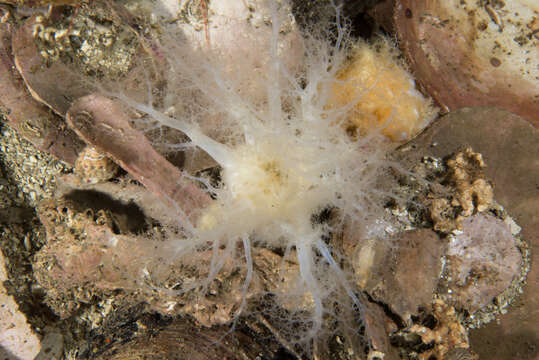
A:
x: 382, y: 94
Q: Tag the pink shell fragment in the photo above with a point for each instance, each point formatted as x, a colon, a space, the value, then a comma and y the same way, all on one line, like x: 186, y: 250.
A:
x: 32, y: 120
x: 102, y: 123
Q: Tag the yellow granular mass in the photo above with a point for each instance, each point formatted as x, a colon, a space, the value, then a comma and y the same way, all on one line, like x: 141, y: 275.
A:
x: 382, y: 95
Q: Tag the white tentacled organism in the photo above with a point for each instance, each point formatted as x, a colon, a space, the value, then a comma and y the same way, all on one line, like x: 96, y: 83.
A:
x: 285, y: 156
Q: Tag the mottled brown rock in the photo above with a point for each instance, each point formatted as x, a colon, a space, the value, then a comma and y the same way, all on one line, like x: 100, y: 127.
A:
x: 91, y: 252
x: 80, y: 257
x: 403, y: 274
x: 32, y: 120
x: 510, y: 149
x: 468, y: 53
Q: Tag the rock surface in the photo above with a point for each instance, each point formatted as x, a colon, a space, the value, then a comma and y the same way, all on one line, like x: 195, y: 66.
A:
x: 403, y: 276
x: 510, y: 148
x: 481, y: 261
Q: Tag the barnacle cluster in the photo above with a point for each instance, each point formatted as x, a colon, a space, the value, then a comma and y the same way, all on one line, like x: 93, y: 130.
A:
x: 91, y: 39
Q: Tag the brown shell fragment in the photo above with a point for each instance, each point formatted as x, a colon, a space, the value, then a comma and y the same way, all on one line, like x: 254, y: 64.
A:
x: 404, y: 276
x: 103, y: 124
x: 473, y: 53
x: 32, y: 120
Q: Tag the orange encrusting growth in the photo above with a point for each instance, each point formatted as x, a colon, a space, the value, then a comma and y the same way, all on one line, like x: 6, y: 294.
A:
x: 383, y: 95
